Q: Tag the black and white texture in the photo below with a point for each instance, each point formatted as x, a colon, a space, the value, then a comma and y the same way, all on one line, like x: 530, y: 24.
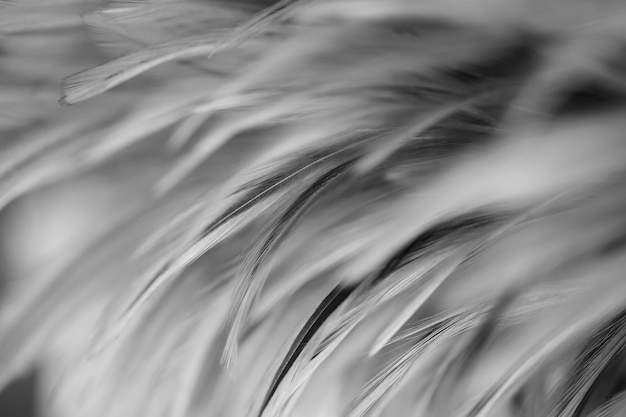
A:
x: 320, y: 207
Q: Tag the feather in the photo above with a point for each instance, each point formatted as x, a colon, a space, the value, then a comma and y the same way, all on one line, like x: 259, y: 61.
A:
x: 587, y: 317
x: 252, y: 277
x: 572, y: 161
x: 90, y: 83
x: 596, y: 358
x: 185, y: 130
x: 326, y: 307
x: 428, y: 344
x: 238, y: 216
x: 371, y: 207
x: 425, y: 293
x: 15, y: 19
x: 384, y: 148
x: 218, y: 138
x: 554, y: 16
x: 126, y: 26
x: 611, y: 408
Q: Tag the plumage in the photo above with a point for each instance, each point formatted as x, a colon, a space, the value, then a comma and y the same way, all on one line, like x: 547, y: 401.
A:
x: 314, y: 207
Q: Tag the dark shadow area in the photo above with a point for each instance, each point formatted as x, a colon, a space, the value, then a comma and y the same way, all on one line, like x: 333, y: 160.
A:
x: 18, y: 399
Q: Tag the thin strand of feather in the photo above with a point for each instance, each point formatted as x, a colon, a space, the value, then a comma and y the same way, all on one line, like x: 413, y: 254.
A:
x: 572, y: 391
x: 324, y: 262
x: 446, y: 326
x: 298, y: 115
x: 274, y: 182
x: 92, y: 82
x: 165, y: 233
x: 449, y: 268
x: 388, y: 379
x: 303, y: 61
x: 257, y: 195
x: 155, y: 348
x: 413, y: 306
x: 583, y: 166
x: 330, y: 303
x: 565, y: 64
x: 121, y: 312
x: 147, y: 119
x: 226, y: 213
x: 614, y: 407
x: 204, y: 336
x: 338, y: 329
x: 575, y: 319
x: 218, y: 138
x: 297, y: 276
x: 334, y: 331
x: 452, y: 373
x: 386, y: 146
x: 166, y: 17
x: 113, y: 41
x: 421, y: 297
x: 223, y: 227
x: 251, y: 279
x: 192, y: 381
x: 186, y: 130
x: 138, y: 24
x: 263, y: 21
x: 330, y: 252
x: 164, y: 274
x: 544, y: 295
x: 230, y: 212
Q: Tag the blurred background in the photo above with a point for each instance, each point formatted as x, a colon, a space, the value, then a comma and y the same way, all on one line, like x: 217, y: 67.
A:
x: 45, y: 228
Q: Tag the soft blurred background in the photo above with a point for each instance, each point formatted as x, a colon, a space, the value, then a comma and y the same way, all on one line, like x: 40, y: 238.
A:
x: 45, y: 228
x: 35, y: 231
